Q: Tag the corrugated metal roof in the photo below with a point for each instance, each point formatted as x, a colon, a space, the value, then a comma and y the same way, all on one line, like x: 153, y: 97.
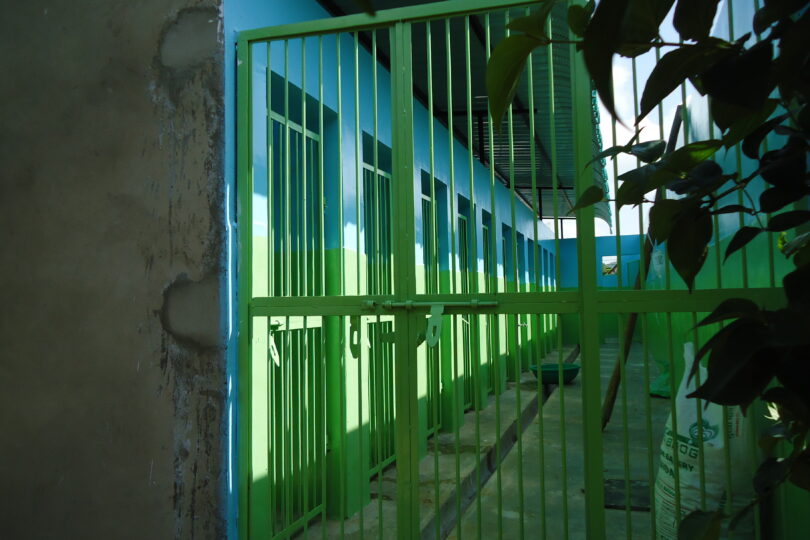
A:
x: 520, y: 168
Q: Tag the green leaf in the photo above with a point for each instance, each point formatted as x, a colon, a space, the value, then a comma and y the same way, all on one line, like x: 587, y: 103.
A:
x: 731, y: 209
x: 648, y: 151
x: 675, y: 67
x: 735, y: 520
x: 776, y: 198
x: 742, y: 79
x: 747, y: 122
x: 739, y: 368
x: 688, y: 241
x: 753, y: 140
x: 693, y: 18
x: 704, y: 177
x: 797, y: 288
x: 534, y: 24
x: 802, y: 256
x: 733, y: 308
x: 796, y: 244
x: 791, y: 247
x: 640, y: 25
x: 788, y: 220
x: 578, y: 18
x: 367, y: 6
x: 590, y: 196
x: 786, y: 166
x: 773, y: 11
x: 685, y: 158
x: 504, y: 70
x: 700, y: 525
x: 800, y: 472
x: 613, y: 151
x: 634, y: 185
x: 741, y: 238
x: 790, y: 66
x: 790, y: 405
x: 771, y: 473
x: 600, y: 43
x: 662, y: 218
x: 772, y: 436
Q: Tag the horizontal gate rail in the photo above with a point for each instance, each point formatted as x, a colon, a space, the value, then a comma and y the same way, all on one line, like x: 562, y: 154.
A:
x: 663, y: 301
x: 387, y: 18
x: 628, y: 301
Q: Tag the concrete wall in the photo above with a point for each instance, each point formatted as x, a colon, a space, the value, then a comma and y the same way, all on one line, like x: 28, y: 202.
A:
x: 112, y: 362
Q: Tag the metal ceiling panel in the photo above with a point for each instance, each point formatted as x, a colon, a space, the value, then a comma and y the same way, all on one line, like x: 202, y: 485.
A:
x: 518, y: 165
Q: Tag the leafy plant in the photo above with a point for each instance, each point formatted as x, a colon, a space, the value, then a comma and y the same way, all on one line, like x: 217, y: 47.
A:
x: 756, y: 85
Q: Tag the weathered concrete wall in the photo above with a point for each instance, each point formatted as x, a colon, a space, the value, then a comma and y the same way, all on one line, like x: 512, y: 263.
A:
x: 112, y: 362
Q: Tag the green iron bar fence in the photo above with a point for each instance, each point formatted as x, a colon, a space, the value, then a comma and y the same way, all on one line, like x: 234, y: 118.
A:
x: 385, y: 358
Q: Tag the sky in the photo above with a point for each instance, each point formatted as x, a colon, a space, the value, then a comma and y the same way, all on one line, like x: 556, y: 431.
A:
x: 656, y: 126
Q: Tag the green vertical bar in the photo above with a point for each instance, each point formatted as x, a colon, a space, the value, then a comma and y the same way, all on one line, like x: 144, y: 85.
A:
x: 495, y: 234
x: 625, y: 435
x: 378, y: 383
x: 457, y: 392
x: 535, y: 204
x: 343, y: 429
x: 358, y: 163
x: 475, y: 357
x: 287, y: 243
x: 454, y: 388
x: 552, y: 113
x: 378, y: 346
x: 589, y: 317
x: 673, y: 411
x: 341, y: 224
x: 699, y: 414
x: 244, y: 221
x: 287, y: 473
x: 642, y: 271
x: 361, y: 470
x: 407, y: 421
x: 376, y: 143
x: 264, y: 520
x: 740, y: 199
x: 434, y: 261
x: 651, y: 449
x: 270, y: 170
x: 305, y: 414
x: 514, y: 341
x: 304, y: 277
x: 324, y: 321
x: 341, y: 326
x: 321, y: 197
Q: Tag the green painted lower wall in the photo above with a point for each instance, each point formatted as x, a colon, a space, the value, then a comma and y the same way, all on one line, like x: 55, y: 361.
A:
x: 475, y: 357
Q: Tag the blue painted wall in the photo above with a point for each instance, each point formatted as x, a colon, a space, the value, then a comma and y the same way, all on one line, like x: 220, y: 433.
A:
x: 630, y: 246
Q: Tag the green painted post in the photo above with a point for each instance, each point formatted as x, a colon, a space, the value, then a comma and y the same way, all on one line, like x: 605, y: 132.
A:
x: 406, y: 377
x: 589, y: 317
x: 244, y: 218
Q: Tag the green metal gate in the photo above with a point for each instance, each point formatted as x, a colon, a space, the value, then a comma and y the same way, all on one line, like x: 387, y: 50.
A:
x: 387, y: 334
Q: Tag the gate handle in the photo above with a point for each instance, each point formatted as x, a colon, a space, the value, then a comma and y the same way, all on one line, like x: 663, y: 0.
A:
x: 354, y: 337
x: 433, y: 332
x: 274, y: 350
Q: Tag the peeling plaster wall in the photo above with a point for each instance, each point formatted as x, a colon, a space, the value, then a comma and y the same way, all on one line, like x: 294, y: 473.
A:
x: 112, y: 349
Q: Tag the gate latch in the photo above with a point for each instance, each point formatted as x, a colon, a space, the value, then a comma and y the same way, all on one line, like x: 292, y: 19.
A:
x: 433, y: 332
x: 271, y: 346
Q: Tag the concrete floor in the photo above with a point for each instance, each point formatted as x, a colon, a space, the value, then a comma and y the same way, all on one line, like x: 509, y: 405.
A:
x: 562, y: 500
x: 555, y: 491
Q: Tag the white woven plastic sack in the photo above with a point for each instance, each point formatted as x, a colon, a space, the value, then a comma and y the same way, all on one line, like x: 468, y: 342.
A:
x: 689, y: 450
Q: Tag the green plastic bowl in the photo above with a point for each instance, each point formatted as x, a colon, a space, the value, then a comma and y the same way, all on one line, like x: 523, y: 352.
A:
x: 550, y: 372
